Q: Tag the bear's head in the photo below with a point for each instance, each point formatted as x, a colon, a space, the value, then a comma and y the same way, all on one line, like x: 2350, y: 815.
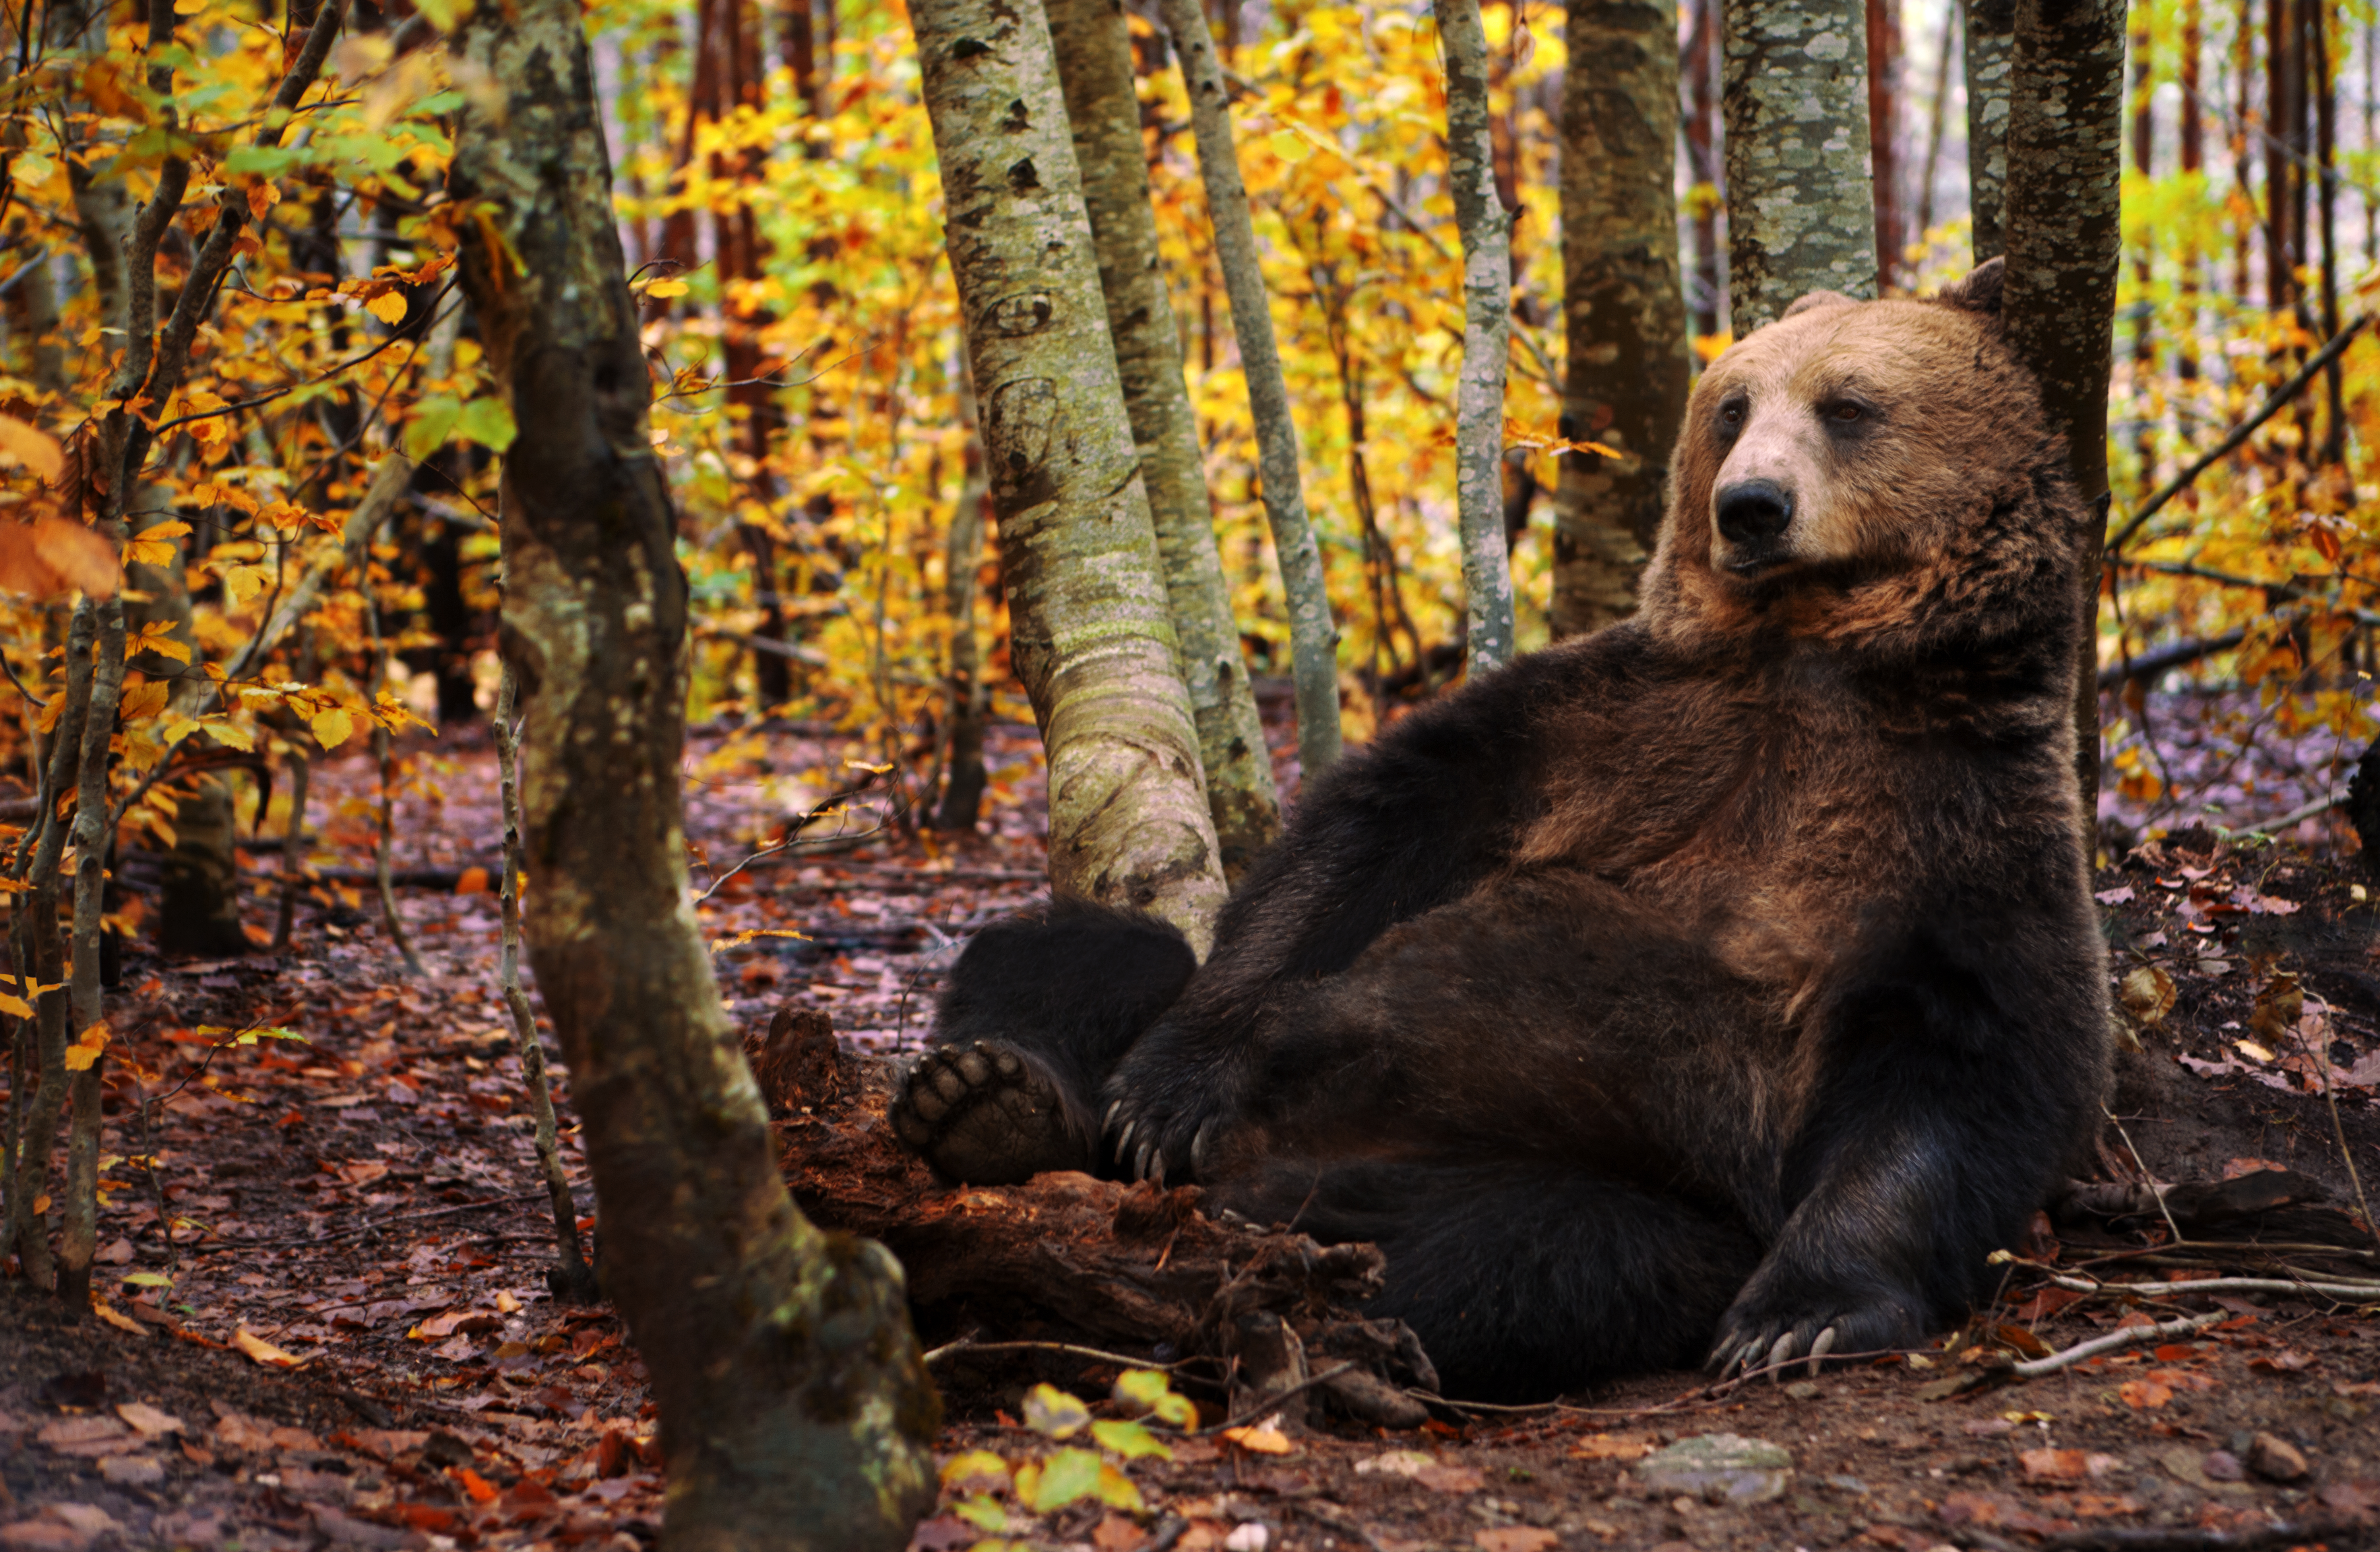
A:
x: 1857, y: 468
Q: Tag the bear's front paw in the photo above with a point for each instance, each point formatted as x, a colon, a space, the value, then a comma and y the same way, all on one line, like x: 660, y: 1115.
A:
x: 1161, y: 1126
x: 1770, y: 1330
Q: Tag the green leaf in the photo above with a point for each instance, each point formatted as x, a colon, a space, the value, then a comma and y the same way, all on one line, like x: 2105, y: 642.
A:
x: 488, y: 422
x: 1050, y: 1411
x: 273, y: 161
x: 1148, y: 1390
x: 981, y: 1512
x: 1128, y: 1439
x: 1066, y: 1476
x: 972, y: 1465
x: 148, y: 1279
x: 435, y: 417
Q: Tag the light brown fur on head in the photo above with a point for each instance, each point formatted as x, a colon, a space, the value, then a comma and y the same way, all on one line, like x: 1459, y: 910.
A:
x: 1907, y: 443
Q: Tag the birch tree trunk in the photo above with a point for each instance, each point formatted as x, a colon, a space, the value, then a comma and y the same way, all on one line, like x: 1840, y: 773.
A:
x: 1801, y: 208
x: 2065, y: 241
x: 1095, y: 71
x: 1990, y: 66
x: 1625, y: 377
x: 794, y: 1407
x: 1091, y: 634
x: 1486, y: 229
x: 1313, y: 638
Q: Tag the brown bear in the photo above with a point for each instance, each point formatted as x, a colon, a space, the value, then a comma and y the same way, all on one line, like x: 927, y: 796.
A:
x: 1724, y: 986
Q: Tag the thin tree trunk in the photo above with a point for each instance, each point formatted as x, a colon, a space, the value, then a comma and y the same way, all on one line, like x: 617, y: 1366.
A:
x: 1990, y: 63
x: 1883, y: 21
x: 1486, y: 229
x: 2326, y: 105
x: 2191, y: 143
x: 1313, y: 638
x: 78, y: 1236
x: 1801, y: 207
x: 1089, y: 630
x: 570, y: 1276
x: 970, y: 697
x: 2066, y: 137
x: 1702, y: 138
x: 1937, y: 116
x: 1627, y: 362
x: 2144, y: 321
x: 794, y: 1407
x: 293, y: 850
x: 1095, y: 67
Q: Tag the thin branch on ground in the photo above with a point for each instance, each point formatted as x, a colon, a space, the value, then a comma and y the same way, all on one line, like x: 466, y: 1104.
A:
x: 968, y: 1344
x: 2130, y: 1336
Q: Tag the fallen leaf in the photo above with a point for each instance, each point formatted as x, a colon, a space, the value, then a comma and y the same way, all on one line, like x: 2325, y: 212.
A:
x: 2144, y: 1395
x: 116, y: 1317
x: 471, y: 881
x: 263, y: 1352
x: 2147, y: 993
x: 148, y: 1419
x: 1515, y: 1538
x: 2065, y: 1465
x: 1611, y: 1446
x: 1451, y: 1479
x: 1265, y: 1438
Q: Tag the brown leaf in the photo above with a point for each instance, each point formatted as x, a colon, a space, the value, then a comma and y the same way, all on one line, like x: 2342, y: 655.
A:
x: 2065, y: 1465
x: 2147, y: 993
x: 1451, y: 1479
x: 1611, y: 1446
x: 2278, y: 1007
x: 263, y: 1352
x: 2144, y: 1395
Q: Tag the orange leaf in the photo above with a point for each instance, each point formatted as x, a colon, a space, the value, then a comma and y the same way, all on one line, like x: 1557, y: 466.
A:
x: 1265, y: 1438
x: 480, y: 1487
x: 472, y: 880
x: 2144, y: 1395
x: 263, y: 1352
x: 1611, y: 1446
x: 1515, y: 1538
x: 39, y: 449
x: 50, y: 554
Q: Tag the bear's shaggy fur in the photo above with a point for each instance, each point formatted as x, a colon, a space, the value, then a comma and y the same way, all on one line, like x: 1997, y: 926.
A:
x: 1721, y: 985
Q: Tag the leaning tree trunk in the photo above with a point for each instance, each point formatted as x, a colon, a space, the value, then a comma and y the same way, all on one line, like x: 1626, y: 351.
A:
x: 2065, y: 241
x: 1990, y: 61
x: 1095, y: 69
x: 1800, y: 209
x: 1624, y: 379
x: 1313, y: 638
x: 1486, y: 230
x: 794, y: 1407
x: 1090, y: 632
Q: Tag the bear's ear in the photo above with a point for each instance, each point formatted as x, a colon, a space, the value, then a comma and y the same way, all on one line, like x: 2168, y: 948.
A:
x: 1813, y: 301
x: 1980, y: 292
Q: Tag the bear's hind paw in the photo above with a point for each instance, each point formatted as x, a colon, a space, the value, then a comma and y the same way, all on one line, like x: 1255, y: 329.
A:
x: 987, y: 1115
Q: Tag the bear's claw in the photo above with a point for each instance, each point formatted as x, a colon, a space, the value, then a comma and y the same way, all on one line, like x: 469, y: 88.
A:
x: 984, y: 1115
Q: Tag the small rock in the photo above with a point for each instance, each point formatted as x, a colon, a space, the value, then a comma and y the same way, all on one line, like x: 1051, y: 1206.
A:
x: 1803, y: 1390
x: 2276, y: 1460
x: 1250, y: 1537
x: 1720, y: 1468
x: 133, y: 1471
x: 2221, y: 1465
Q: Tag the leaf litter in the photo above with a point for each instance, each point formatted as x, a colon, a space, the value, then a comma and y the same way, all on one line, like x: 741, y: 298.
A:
x: 325, y: 1256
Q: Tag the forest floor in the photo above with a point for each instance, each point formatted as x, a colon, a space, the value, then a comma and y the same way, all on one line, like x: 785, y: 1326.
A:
x: 327, y: 1320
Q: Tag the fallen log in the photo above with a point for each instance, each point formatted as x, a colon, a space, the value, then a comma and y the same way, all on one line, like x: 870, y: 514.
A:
x: 1069, y: 1260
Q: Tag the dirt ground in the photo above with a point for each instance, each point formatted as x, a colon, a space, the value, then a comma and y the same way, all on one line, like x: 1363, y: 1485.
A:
x: 327, y: 1321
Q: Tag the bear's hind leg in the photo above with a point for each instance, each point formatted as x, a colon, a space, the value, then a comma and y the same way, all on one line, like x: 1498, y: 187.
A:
x: 1528, y: 1283
x: 1037, y: 1010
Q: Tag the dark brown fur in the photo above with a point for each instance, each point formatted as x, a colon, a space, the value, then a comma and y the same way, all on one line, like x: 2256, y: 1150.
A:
x: 1727, y: 976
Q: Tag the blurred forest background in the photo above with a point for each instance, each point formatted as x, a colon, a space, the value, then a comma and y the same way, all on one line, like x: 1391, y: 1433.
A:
x: 321, y: 393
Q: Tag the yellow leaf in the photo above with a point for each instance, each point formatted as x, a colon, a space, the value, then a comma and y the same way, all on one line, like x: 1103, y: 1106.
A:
x: 263, y: 1352
x: 388, y: 306
x: 85, y: 1051
x: 262, y: 195
x: 180, y: 729
x: 244, y: 582
x: 665, y: 287
x: 1265, y: 1438
x: 16, y: 1006
x: 1289, y: 145
x: 157, y: 638
x: 230, y: 734
x: 38, y: 449
x: 145, y: 700
x: 333, y: 728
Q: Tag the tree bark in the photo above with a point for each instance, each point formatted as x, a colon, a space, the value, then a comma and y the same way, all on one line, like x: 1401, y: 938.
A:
x: 970, y: 702
x: 1090, y: 633
x: 1313, y: 638
x: 1625, y: 377
x: 1800, y: 209
x: 1883, y: 21
x: 1990, y: 64
x: 1095, y: 69
x: 2065, y: 160
x: 1486, y: 229
x: 793, y: 1409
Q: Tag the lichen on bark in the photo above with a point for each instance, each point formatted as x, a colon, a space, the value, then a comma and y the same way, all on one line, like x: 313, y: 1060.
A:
x: 1990, y: 55
x: 1624, y: 379
x: 1090, y: 627
x: 794, y: 1407
x: 1801, y: 211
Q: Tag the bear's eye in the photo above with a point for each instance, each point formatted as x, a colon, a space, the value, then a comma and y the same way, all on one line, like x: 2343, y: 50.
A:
x: 1845, y: 410
x: 1732, y: 414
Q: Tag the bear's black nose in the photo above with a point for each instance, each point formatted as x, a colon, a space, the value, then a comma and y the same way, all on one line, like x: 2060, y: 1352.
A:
x: 1755, y: 510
